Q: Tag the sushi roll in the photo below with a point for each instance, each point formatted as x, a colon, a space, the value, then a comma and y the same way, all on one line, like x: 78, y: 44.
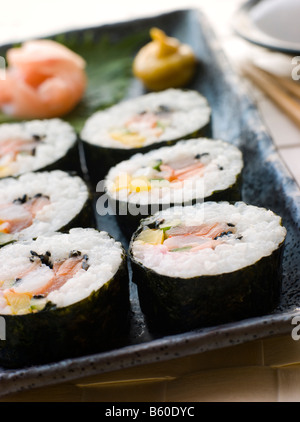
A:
x: 38, y: 145
x: 62, y: 295
x: 141, y: 124
x: 41, y: 203
x: 207, y: 264
x: 190, y: 171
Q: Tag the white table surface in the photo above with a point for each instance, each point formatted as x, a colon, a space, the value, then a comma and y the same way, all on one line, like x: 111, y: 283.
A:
x: 31, y: 18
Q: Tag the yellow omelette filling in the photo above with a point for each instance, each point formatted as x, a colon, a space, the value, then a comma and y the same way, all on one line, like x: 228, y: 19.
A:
x: 5, y: 171
x: 131, y: 139
x: 136, y: 130
x: 152, y: 237
x: 136, y: 184
x: 131, y: 184
x: 21, y: 303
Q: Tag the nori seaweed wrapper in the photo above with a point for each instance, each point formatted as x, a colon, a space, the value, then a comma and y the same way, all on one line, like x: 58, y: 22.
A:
x: 173, y: 304
x: 97, y: 323
x: 69, y: 162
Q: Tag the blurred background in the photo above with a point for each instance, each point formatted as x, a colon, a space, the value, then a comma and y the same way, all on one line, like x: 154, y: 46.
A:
x: 32, y: 18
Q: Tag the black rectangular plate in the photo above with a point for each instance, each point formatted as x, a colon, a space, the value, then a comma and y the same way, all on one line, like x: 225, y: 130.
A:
x: 267, y: 183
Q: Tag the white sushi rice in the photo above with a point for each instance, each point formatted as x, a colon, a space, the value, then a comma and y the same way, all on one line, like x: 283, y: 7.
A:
x: 67, y: 196
x: 190, y: 113
x: 57, y: 137
x: 261, y: 232
x: 104, y: 258
x: 221, y: 155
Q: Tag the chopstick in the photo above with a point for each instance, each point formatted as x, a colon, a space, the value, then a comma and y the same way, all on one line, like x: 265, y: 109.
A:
x: 277, y: 89
x: 126, y: 381
x: 288, y: 84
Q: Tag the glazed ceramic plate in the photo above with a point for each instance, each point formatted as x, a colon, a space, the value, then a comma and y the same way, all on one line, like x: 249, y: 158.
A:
x: 266, y: 183
x: 273, y: 24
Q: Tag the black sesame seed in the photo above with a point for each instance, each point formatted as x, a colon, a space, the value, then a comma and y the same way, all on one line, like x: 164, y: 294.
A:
x: 45, y: 260
x: 222, y: 234
x: 40, y: 195
x: 36, y: 137
x: 40, y: 296
x: 155, y: 224
x: 164, y: 108
x: 198, y: 156
x: 21, y: 200
x: 85, y: 265
x: 74, y: 253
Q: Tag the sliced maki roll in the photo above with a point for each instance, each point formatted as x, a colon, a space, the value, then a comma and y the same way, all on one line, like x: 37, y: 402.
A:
x: 41, y: 203
x: 141, y: 124
x: 38, y: 145
x: 191, y: 171
x: 207, y: 264
x: 61, y: 296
